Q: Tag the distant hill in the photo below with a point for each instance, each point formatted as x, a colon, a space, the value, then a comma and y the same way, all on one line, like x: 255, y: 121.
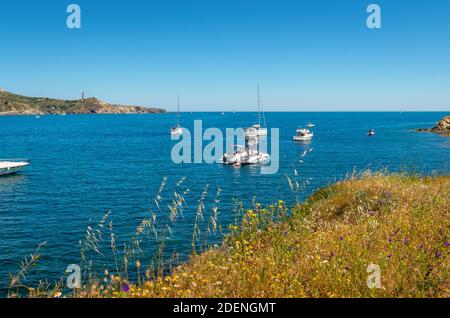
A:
x: 12, y: 104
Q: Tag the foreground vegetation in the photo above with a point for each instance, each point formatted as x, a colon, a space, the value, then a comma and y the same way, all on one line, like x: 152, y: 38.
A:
x: 322, y: 248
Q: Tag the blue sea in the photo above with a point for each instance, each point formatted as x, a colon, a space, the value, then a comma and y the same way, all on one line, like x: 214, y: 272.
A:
x: 83, y: 166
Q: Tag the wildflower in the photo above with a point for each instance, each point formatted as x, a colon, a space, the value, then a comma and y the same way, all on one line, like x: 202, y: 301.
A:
x: 331, y: 254
x: 406, y: 240
x: 125, y: 288
x: 389, y: 256
x: 341, y: 238
x: 138, y: 264
x: 438, y: 254
x: 447, y: 244
x: 390, y: 240
x: 106, y: 272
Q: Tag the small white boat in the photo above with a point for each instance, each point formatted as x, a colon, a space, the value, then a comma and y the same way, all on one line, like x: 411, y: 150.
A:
x: 177, y: 130
x: 11, y: 167
x: 310, y: 125
x: 371, y: 132
x: 303, y: 135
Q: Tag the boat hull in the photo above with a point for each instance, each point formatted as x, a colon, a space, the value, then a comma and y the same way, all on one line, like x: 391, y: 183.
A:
x: 233, y: 159
x: 302, y: 138
x: 9, y: 168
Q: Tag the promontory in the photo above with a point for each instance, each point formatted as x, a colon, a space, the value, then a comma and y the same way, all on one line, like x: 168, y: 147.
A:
x: 12, y: 104
x: 442, y: 127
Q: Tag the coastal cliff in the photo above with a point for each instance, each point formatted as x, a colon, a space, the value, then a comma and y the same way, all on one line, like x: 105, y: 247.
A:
x: 12, y: 104
x: 442, y: 127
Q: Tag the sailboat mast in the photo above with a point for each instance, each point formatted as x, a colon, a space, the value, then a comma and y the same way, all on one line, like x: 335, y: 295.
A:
x: 178, y: 114
x: 259, y: 106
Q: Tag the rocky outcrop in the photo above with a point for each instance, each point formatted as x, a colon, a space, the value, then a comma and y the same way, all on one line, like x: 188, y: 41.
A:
x: 12, y: 104
x: 442, y: 127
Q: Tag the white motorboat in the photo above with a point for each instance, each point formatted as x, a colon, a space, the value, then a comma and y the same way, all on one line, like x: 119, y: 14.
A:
x: 303, y: 135
x: 177, y: 130
x: 310, y: 125
x: 371, y: 132
x: 11, y: 167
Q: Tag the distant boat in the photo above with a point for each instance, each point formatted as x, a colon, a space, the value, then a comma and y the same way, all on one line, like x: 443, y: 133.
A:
x: 310, y: 125
x: 371, y: 132
x: 37, y: 117
x: 303, y: 135
x: 11, y: 167
x: 177, y: 130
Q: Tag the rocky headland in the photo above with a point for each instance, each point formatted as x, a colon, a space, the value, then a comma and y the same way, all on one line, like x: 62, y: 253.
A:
x: 442, y: 127
x: 12, y: 104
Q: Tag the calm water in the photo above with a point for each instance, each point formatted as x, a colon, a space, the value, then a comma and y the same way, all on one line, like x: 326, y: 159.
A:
x: 86, y: 165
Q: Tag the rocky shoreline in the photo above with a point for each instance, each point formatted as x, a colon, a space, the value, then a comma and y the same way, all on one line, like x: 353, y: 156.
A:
x: 442, y: 127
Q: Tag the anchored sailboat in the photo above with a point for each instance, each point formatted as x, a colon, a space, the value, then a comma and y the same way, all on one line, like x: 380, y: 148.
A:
x: 250, y: 152
x: 177, y: 130
x: 257, y: 129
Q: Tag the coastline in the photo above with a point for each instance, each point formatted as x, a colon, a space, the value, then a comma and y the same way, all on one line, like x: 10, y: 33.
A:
x: 321, y: 248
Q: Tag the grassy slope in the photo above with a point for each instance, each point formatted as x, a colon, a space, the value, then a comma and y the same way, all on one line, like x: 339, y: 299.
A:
x: 323, y: 250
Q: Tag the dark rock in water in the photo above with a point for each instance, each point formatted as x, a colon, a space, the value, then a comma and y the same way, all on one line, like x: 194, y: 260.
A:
x: 442, y: 127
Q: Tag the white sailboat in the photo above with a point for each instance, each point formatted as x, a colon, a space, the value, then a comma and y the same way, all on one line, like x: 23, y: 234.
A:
x: 177, y: 130
x: 260, y: 131
x: 11, y: 167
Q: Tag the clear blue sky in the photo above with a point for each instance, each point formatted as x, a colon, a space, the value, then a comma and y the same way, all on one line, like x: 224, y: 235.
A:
x: 307, y: 55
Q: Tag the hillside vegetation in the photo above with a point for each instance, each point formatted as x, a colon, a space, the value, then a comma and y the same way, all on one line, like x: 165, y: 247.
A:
x: 399, y: 223
x: 12, y: 104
